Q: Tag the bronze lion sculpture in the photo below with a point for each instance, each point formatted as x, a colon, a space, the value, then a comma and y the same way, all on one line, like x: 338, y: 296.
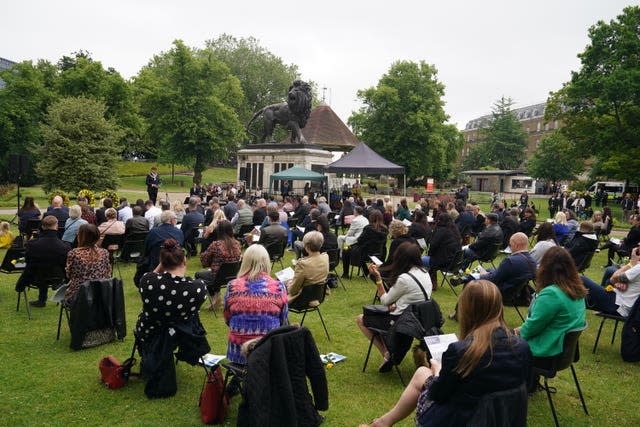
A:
x: 292, y: 114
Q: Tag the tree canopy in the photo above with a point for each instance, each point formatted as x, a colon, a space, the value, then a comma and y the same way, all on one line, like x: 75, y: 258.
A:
x: 600, y: 106
x: 403, y: 119
x: 80, y: 146
x: 555, y: 159
x: 189, y: 100
x: 502, y: 143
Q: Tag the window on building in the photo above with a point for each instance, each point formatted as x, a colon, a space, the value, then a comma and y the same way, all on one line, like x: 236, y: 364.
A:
x: 546, y: 126
x: 538, y: 127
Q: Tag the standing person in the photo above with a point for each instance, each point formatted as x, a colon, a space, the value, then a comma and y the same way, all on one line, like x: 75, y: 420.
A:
x: 488, y: 358
x: 153, y: 183
x: 627, y: 207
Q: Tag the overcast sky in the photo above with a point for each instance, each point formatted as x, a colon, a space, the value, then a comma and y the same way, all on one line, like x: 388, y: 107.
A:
x: 482, y: 49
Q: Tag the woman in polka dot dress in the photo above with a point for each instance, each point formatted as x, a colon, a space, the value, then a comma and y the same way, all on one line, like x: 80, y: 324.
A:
x: 168, y: 296
x: 254, y: 303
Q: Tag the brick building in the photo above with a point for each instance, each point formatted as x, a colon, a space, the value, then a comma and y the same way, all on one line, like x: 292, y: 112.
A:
x: 532, y: 119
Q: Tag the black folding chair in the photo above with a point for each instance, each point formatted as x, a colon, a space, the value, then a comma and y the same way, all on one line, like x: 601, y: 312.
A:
x: 310, y: 299
x: 334, y: 260
x: 452, y: 270
x: 52, y: 276
x: 491, y: 256
x: 276, y: 252
x: 570, y: 355
x: 605, y: 316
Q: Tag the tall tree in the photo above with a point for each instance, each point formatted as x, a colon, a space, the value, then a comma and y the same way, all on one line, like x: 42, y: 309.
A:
x: 403, y: 119
x: 504, y: 140
x: 80, y: 75
x: 600, y: 106
x: 189, y: 100
x: 264, y: 77
x: 555, y: 159
x: 80, y: 146
x: 29, y: 90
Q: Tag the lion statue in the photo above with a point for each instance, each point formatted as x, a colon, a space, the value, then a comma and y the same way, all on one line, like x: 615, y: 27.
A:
x: 292, y: 115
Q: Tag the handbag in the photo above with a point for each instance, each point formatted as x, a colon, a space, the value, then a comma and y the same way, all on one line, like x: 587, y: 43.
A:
x: 213, y: 402
x: 377, y: 317
x: 113, y: 373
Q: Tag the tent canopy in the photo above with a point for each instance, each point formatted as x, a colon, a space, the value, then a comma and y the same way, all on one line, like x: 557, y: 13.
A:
x: 296, y: 173
x: 363, y: 159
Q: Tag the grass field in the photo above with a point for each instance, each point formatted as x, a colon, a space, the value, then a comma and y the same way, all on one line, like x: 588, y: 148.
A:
x: 43, y: 382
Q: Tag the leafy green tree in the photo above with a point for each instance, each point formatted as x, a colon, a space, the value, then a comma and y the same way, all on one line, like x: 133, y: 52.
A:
x: 504, y: 140
x: 189, y: 100
x: 263, y: 76
x: 403, y: 119
x: 23, y: 102
x: 477, y: 158
x: 80, y: 75
x: 600, y: 106
x: 80, y: 146
x: 555, y: 159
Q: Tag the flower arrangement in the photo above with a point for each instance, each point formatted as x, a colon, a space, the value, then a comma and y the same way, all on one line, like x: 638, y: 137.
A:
x: 111, y: 194
x: 91, y: 199
x: 65, y: 196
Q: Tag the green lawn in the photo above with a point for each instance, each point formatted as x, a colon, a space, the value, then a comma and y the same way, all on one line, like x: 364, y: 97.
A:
x: 45, y: 383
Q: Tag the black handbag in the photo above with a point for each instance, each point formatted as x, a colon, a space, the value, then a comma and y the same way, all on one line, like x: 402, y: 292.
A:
x: 377, y: 317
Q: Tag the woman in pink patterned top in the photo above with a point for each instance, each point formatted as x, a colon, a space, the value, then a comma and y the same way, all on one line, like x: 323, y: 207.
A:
x: 254, y: 304
x: 87, y: 261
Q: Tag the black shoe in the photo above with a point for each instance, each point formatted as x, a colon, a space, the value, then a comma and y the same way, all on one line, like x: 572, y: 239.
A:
x: 345, y: 276
x: 38, y: 304
x: 455, y: 281
x: 386, y: 366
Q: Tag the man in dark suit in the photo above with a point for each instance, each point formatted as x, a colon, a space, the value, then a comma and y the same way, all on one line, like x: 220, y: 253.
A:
x: 153, y: 183
x: 190, y: 223
x: 44, y: 253
x: 485, y: 243
x: 60, y: 211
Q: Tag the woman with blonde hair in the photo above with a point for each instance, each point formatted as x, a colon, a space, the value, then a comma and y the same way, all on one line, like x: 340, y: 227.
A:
x: 218, y: 216
x: 178, y: 208
x: 254, y: 303
x: 560, y: 226
x: 488, y: 358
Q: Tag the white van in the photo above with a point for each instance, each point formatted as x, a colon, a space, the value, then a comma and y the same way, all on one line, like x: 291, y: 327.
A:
x: 615, y: 189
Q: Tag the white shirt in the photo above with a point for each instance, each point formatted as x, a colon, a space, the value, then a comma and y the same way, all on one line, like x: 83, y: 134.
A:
x: 355, y: 229
x: 626, y: 299
x: 151, y: 215
x: 406, y: 291
x: 124, y: 214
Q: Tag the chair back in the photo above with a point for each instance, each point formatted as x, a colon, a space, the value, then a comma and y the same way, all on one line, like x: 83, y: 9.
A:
x: 456, y: 262
x: 244, y: 229
x: 275, y: 250
x: 492, y: 253
x: 133, y: 247
x: 504, y: 408
x: 51, y: 275
x: 586, y: 262
x: 33, y: 226
x: 292, y: 222
x: 112, y: 240
x: 315, y: 292
x: 228, y: 271
x: 570, y: 349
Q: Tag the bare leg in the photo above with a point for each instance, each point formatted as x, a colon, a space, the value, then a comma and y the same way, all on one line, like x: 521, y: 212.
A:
x: 377, y: 342
x: 407, y: 402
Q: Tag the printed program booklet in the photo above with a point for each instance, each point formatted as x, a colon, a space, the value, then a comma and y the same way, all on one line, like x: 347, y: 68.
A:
x: 210, y: 360
x: 438, y: 344
x: 332, y: 357
x: 285, y: 275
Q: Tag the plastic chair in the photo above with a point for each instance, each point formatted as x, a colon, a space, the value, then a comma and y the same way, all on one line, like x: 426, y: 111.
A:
x: 310, y: 299
x: 452, y: 270
x: 570, y: 355
x: 334, y: 260
x: 615, y: 317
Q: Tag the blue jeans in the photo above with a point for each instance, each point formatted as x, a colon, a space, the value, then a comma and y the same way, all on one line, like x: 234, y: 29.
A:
x: 608, y: 272
x: 425, y: 261
x: 598, y: 298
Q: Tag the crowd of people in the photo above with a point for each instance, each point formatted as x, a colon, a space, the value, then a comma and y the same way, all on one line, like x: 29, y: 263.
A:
x: 400, y: 249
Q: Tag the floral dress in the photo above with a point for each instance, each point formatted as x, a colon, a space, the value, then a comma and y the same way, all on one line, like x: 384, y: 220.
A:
x: 87, y: 263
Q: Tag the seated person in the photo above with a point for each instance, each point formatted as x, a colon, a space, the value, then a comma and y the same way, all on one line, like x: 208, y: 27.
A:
x: 583, y: 244
x: 445, y: 244
x: 420, y: 228
x: 488, y: 358
x: 137, y: 223
x: 370, y: 242
x: 560, y: 227
x: 412, y: 284
x: 169, y: 319
x: 308, y: 224
x: 513, y: 270
x: 73, y: 224
x: 310, y: 270
x: 29, y: 210
x: 399, y: 235
x: 330, y: 240
x: 6, y: 236
x: 46, y: 252
x: 528, y: 221
x: 111, y: 226
x: 486, y: 242
x: 627, y: 244
x: 358, y: 224
x: 224, y: 250
x: 546, y: 239
x: 557, y: 309
x: 274, y: 232
x: 509, y: 226
x: 86, y: 262
x: 624, y: 292
x: 157, y: 235
x: 254, y: 303
x: 190, y: 223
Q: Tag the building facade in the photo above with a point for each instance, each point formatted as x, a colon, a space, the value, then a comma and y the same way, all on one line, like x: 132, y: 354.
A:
x: 4, y: 64
x: 530, y: 117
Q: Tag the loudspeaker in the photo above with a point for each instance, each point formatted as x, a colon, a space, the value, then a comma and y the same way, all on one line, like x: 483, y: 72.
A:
x: 18, y: 165
x: 243, y: 174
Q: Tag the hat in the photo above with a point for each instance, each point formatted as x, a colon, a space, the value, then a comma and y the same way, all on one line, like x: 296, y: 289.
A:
x: 493, y: 217
x: 586, y: 227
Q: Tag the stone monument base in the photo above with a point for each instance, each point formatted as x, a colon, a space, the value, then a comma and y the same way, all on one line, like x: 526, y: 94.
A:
x: 258, y: 162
